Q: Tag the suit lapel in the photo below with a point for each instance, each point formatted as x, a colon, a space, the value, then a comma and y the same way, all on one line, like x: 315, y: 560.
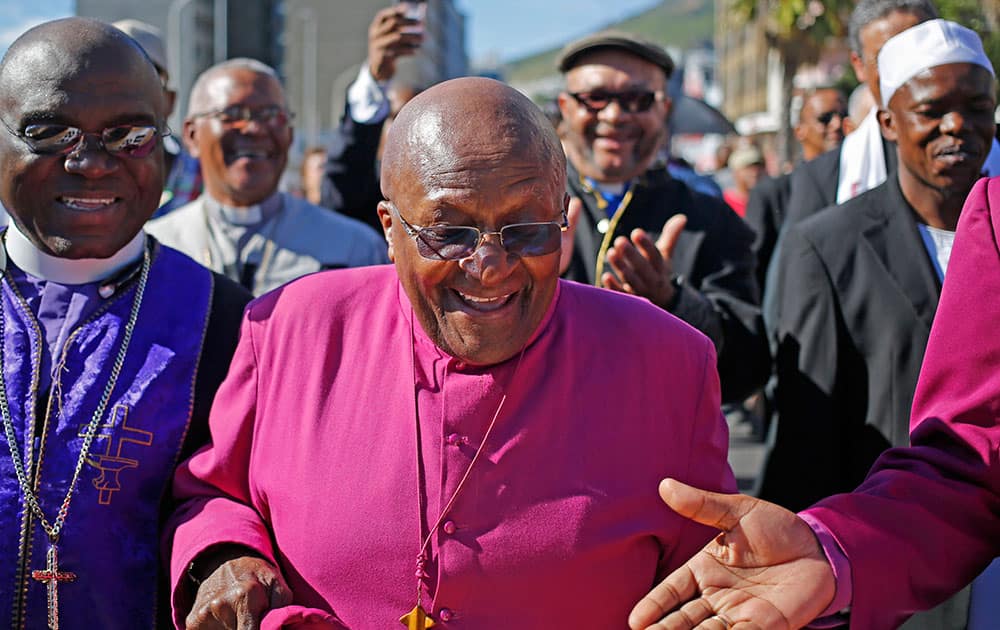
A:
x: 896, y: 242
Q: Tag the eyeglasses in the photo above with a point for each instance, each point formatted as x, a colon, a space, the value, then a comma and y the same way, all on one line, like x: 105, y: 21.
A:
x: 633, y: 101
x: 455, y: 242
x: 826, y: 117
x: 133, y: 141
x: 239, y: 115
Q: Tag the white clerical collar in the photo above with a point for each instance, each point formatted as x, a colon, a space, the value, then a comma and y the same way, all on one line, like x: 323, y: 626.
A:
x: 245, y: 215
x: 32, y: 261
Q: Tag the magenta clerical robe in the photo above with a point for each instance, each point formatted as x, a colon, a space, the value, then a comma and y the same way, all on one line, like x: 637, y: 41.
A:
x: 314, y: 458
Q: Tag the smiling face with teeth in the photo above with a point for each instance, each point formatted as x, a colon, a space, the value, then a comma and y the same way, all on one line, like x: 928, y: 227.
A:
x: 942, y: 123
x: 89, y: 203
x: 613, y: 145
x: 241, y: 164
x: 474, y: 152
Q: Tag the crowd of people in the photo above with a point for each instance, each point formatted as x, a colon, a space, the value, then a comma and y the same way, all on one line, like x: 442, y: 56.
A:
x: 440, y: 387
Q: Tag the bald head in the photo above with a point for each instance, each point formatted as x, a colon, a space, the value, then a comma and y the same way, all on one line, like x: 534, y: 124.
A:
x: 471, y: 120
x: 54, y: 51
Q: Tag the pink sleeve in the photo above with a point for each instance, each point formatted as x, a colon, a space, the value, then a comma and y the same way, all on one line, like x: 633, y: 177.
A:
x: 708, y: 467
x: 213, y: 488
x: 841, y: 574
x: 924, y: 523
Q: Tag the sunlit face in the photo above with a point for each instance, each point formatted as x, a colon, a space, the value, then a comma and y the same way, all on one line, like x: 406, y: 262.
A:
x: 241, y: 163
x: 88, y: 203
x: 942, y: 123
x: 613, y: 145
x: 873, y: 36
x: 482, y: 309
x: 821, y: 122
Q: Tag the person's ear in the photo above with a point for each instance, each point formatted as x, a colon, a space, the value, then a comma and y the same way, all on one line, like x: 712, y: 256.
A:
x: 888, y: 125
x: 189, y: 138
x: 385, y: 218
x: 859, y: 67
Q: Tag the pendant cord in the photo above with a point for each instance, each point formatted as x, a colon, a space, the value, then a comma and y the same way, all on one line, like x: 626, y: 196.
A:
x: 422, y: 555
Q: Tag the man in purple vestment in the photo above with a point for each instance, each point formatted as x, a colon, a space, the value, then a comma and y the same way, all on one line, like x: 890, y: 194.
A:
x: 460, y: 439
x: 111, y: 345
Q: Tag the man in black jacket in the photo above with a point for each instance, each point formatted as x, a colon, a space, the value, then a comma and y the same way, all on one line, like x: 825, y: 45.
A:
x: 700, y: 268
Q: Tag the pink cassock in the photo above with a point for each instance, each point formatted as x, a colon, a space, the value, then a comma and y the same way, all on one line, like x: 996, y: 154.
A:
x: 313, y: 460
x: 926, y: 521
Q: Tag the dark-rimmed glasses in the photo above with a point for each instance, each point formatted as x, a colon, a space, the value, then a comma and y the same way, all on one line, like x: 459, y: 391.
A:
x: 239, y: 115
x: 632, y: 101
x: 455, y: 242
x: 826, y: 117
x: 132, y: 141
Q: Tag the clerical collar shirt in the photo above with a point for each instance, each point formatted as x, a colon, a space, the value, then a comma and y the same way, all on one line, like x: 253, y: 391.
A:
x: 315, y: 455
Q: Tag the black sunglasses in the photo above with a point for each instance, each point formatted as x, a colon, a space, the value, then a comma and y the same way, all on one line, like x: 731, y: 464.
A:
x: 133, y: 141
x: 633, y: 101
x: 455, y: 242
x: 240, y: 115
x: 826, y: 117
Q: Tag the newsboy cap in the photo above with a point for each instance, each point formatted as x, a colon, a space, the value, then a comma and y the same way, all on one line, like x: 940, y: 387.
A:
x: 620, y: 40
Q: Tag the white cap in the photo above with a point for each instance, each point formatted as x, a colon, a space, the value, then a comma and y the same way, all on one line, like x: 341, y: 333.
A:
x: 926, y: 45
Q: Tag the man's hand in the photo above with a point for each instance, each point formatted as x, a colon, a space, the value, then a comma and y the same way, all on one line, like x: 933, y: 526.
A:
x: 765, y: 571
x: 237, y: 594
x: 391, y: 36
x: 643, y: 268
x: 573, y: 211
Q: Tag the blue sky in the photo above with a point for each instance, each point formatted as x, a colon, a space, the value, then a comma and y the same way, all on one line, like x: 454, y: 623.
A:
x: 507, y: 28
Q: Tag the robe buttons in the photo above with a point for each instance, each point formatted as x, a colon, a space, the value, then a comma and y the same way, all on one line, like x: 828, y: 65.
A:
x: 449, y: 527
x: 454, y: 439
x: 446, y: 614
x: 603, y: 225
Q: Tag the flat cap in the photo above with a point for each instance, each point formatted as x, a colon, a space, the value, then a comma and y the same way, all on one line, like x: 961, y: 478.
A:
x: 620, y: 40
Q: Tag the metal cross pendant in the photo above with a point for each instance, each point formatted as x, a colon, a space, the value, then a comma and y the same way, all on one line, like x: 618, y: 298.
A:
x: 417, y: 619
x: 51, y: 576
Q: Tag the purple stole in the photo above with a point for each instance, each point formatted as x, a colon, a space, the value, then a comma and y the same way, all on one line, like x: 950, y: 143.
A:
x: 111, y: 536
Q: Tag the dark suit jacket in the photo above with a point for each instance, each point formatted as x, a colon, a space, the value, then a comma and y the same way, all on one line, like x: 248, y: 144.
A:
x: 351, y: 185
x: 766, y: 208
x: 857, y: 296
x: 718, y: 295
x: 814, y: 183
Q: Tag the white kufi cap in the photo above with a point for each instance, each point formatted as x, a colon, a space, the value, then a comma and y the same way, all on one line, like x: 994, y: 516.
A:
x: 926, y: 45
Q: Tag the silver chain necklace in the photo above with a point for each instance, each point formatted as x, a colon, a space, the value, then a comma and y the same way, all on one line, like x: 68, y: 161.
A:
x: 51, y: 575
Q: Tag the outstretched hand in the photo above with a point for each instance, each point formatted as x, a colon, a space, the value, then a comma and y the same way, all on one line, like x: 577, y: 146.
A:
x: 643, y: 267
x: 765, y: 570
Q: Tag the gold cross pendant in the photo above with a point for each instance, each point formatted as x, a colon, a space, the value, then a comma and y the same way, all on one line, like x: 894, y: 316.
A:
x: 51, y: 576
x: 417, y: 619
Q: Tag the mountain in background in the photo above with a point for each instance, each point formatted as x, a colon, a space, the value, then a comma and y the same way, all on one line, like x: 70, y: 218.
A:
x: 675, y: 24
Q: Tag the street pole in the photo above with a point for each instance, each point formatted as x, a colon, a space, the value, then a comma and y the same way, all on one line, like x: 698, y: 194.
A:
x: 220, y: 23
x: 310, y: 54
x: 175, y: 57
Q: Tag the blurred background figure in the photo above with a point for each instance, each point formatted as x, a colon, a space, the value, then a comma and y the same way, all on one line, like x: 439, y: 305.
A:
x: 747, y: 167
x: 821, y: 122
x: 239, y: 127
x: 183, y: 181
x: 859, y: 104
x: 311, y: 174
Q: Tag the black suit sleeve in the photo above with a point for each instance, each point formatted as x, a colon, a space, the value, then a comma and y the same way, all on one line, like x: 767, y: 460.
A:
x: 816, y: 367
x: 351, y: 185
x: 222, y: 332
x: 722, y: 300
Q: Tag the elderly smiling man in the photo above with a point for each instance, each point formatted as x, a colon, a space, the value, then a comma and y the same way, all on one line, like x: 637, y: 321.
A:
x: 428, y: 439
x: 112, y: 346
x: 240, y: 129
